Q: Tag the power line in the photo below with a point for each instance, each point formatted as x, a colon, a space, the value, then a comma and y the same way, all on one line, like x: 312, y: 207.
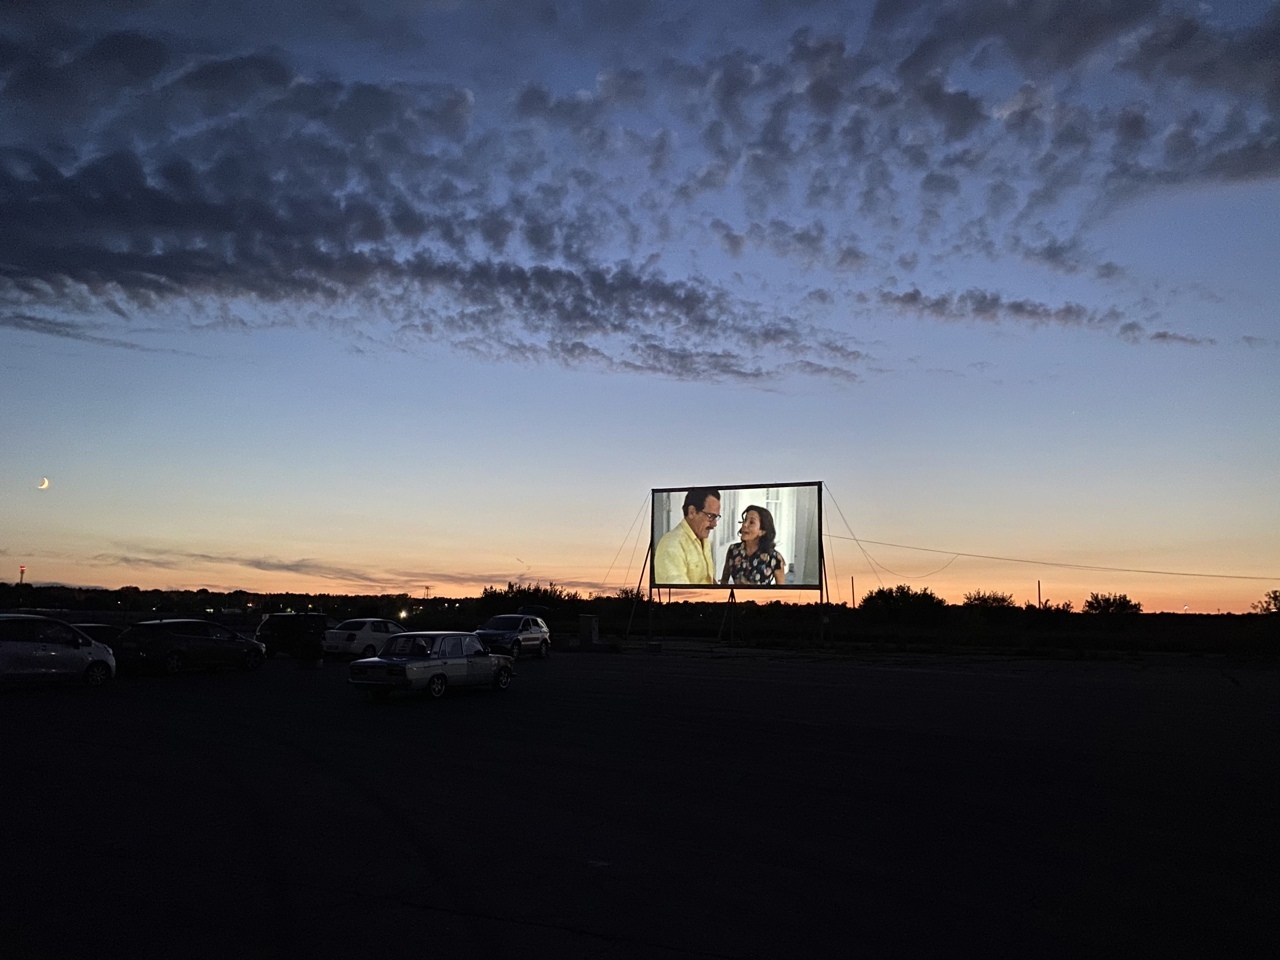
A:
x: 605, y: 582
x: 982, y: 556
x: 1056, y: 563
x: 855, y: 539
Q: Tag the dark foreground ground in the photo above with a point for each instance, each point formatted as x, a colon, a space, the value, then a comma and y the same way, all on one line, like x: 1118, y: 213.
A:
x: 678, y: 805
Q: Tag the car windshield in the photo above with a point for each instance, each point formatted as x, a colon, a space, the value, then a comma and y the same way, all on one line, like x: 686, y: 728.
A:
x: 502, y: 623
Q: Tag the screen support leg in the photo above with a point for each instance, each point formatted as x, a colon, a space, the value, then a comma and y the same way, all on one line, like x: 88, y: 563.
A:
x: 730, y: 615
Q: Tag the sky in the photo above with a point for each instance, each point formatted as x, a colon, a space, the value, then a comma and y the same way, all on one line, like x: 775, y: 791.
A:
x: 364, y: 296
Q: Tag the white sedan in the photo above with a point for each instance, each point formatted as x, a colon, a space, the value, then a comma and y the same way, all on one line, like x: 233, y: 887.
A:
x: 433, y: 662
x: 361, y: 638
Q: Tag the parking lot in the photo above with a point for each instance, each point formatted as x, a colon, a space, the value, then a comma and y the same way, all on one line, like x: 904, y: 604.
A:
x: 638, y: 805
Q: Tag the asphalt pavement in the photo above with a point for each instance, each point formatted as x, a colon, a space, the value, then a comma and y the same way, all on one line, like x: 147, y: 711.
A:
x: 682, y: 804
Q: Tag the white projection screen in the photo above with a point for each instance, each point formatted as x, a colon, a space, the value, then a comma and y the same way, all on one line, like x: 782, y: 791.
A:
x: 698, y: 551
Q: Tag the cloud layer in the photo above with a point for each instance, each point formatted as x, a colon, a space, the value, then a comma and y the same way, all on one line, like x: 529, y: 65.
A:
x: 616, y: 185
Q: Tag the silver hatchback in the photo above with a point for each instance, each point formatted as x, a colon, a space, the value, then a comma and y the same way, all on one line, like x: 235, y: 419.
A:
x: 36, y: 649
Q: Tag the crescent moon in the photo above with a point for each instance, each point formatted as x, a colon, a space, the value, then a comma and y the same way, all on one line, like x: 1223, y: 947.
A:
x: 44, y: 484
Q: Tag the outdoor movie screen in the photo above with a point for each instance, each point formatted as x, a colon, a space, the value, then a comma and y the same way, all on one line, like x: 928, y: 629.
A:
x: 740, y: 537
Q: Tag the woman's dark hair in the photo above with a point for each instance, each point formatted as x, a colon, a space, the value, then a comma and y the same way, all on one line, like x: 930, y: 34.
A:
x: 768, y: 532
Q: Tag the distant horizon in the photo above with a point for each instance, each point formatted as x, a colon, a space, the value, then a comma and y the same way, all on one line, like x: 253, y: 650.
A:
x: 793, y: 597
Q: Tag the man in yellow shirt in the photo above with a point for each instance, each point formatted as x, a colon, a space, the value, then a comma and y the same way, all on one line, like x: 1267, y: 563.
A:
x: 683, y: 555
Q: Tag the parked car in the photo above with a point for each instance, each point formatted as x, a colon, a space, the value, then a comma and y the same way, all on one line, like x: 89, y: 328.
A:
x: 296, y: 634
x: 431, y: 661
x: 104, y: 633
x: 364, y: 637
x: 34, y: 648
x: 513, y: 633
x: 172, y: 646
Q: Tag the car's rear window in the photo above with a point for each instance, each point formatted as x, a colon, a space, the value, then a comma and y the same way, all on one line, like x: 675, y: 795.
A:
x: 409, y: 646
x: 351, y: 625
x: 503, y: 623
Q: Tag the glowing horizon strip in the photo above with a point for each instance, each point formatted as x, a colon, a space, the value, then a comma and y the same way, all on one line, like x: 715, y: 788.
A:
x: 1057, y: 563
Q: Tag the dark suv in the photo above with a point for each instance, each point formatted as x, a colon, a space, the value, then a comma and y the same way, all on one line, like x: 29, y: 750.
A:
x: 297, y: 634
x: 172, y: 646
x: 510, y: 633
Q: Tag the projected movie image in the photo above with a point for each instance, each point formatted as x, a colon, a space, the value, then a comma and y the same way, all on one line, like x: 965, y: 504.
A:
x: 737, y: 537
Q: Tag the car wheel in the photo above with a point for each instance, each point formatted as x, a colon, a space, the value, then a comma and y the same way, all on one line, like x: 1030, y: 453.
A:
x: 515, y: 650
x: 502, y: 679
x: 252, y: 660
x: 369, y: 651
x: 96, y: 674
x: 436, y: 685
x: 544, y: 650
x: 173, y: 662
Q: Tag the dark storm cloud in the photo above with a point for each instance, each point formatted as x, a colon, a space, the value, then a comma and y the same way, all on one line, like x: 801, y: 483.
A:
x: 148, y: 557
x: 851, y: 257
x: 786, y: 240
x: 1131, y: 332
x: 123, y: 59
x: 1132, y: 131
x: 1242, y: 62
x: 66, y: 80
x: 393, y: 31
x: 732, y: 241
x: 155, y: 162
x: 958, y: 112
x: 67, y: 330
x: 1049, y: 35
x: 692, y: 363
x: 536, y: 101
x: 230, y: 231
x: 1164, y: 336
x: 810, y: 368
x: 993, y: 307
x: 1024, y: 115
x: 939, y: 183
x: 1257, y: 160
x: 236, y: 78
x: 1064, y: 255
x: 159, y: 558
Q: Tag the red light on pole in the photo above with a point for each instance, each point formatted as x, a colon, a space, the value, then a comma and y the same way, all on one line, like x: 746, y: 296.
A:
x: 22, y: 573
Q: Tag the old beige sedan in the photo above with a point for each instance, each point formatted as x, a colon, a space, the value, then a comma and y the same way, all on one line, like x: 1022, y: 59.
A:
x: 431, y: 661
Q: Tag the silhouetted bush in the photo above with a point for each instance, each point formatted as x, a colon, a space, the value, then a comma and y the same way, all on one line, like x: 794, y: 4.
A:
x: 1111, y: 603
x: 903, y: 604
x: 989, y: 600
x: 517, y: 595
x: 1270, y: 603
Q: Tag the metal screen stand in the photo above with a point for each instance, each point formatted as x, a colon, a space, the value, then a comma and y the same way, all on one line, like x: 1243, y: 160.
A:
x: 730, y: 616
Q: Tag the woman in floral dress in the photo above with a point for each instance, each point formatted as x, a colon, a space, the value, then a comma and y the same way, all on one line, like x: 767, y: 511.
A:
x: 753, y: 559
